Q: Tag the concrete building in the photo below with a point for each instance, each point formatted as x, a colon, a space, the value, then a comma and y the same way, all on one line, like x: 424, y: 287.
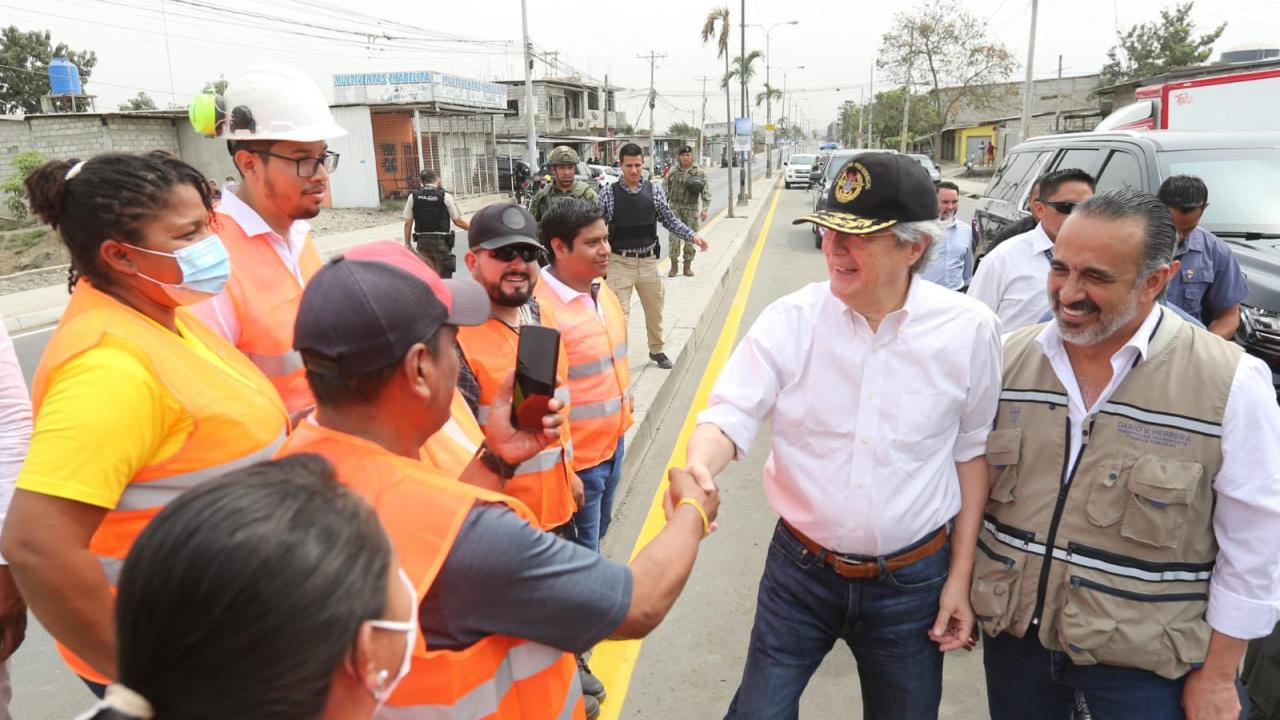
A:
x: 83, y: 135
x: 571, y: 111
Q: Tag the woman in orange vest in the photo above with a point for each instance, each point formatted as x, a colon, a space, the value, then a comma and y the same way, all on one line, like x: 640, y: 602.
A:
x: 136, y: 401
x: 594, y: 331
x: 202, y: 636
x: 503, y: 259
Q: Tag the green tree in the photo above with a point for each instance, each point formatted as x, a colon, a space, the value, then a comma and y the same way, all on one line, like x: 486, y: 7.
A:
x: 1153, y: 48
x: 720, y: 17
x: 141, y: 101
x: 217, y: 87
x: 682, y: 129
x: 768, y: 93
x: 945, y: 48
x: 24, y: 67
x: 14, y: 189
x: 887, y: 122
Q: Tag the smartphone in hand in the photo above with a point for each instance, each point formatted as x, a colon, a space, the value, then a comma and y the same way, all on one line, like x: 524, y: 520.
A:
x: 537, y: 356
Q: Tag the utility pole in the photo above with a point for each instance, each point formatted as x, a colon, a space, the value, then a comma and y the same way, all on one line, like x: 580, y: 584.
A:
x: 653, y: 148
x: 862, y: 113
x: 906, y: 96
x: 702, y: 125
x: 742, y: 76
x: 1057, y: 113
x: 530, y: 110
x: 604, y: 106
x: 1027, y: 87
x: 871, y: 113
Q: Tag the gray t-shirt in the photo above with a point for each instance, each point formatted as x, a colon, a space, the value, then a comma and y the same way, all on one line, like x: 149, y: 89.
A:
x: 506, y: 577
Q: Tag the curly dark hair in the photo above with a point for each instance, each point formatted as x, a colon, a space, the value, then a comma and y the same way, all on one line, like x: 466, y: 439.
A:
x: 111, y: 197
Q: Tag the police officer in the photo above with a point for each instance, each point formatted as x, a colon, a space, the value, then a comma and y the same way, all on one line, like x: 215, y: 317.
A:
x: 687, y: 187
x: 426, y: 219
x: 564, y: 166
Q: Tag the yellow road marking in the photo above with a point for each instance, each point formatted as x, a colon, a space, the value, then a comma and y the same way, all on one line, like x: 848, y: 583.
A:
x: 613, y: 661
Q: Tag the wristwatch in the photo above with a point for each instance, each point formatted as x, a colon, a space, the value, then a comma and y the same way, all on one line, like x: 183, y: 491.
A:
x: 490, y: 459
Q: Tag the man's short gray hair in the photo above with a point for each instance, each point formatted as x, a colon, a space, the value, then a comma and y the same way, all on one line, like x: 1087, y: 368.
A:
x: 1159, y: 234
x: 911, y: 233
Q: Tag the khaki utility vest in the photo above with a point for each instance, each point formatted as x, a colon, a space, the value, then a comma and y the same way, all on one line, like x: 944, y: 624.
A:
x: 1110, y: 559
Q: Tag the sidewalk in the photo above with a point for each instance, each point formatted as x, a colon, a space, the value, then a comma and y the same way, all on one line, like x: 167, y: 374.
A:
x: 969, y: 186
x: 38, y: 307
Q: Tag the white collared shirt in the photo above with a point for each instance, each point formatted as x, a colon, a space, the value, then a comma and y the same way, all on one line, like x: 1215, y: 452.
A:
x: 1013, y: 279
x: 219, y: 312
x: 568, y: 295
x: 1244, y: 592
x: 867, y: 427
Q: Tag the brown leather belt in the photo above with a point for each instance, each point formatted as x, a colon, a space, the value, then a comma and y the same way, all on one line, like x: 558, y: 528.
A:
x: 869, y: 569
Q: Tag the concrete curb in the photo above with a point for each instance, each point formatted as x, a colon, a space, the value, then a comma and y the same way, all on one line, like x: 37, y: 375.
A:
x: 641, y: 435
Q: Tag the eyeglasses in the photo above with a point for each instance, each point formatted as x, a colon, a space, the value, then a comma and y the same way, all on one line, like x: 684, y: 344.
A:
x: 1063, y: 206
x: 308, y: 166
x: 509, y: 252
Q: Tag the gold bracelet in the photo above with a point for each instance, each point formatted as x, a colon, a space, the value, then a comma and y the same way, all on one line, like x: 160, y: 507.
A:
x: 702, y: 512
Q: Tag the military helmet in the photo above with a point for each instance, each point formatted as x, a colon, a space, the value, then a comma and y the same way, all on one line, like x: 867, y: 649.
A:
x: 563, y: 155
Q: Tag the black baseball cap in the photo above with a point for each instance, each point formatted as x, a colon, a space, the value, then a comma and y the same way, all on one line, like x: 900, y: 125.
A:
x: 874, y: 191
x: 363, y: 310
x: 502, y: 224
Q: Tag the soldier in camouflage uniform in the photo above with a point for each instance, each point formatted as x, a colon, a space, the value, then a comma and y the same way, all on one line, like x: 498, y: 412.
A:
x: 687, y: 188
x: 564, y: 165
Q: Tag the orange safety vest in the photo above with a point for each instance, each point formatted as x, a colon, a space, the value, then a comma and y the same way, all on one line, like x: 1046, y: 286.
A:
x: 499, y: 677
x: 449, y: 450
x: 599, y: 374
x: 266, y: 295
x: 235, y: 423
x: 544, y: 482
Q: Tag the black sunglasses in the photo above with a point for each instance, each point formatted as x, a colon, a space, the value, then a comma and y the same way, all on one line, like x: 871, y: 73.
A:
x: 1063, y: 206
x: 509, y: 253
x: 308, y: 166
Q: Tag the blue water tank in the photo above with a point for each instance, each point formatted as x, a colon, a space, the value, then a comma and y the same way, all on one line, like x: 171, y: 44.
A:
x: 64, y: 77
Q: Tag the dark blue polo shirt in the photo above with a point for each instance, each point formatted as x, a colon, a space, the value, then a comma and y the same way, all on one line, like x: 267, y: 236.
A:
x: 1210, y: 279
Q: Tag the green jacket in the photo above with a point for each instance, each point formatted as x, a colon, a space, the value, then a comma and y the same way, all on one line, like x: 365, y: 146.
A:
x: 540, y: 202
x: 678, y: 194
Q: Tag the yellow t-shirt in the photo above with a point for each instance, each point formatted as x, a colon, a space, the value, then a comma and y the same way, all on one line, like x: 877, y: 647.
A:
x: 103, y: 418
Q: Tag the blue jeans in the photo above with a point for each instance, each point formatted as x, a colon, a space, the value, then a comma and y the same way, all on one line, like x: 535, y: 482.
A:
x: 1027, y: 681
x: 803, y: 607
x: 598, y: 485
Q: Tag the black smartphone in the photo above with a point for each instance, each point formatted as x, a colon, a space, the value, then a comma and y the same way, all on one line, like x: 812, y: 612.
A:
x: 537, y: 356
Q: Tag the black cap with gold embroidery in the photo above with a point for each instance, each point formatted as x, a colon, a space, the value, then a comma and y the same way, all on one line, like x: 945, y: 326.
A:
x: 874, y: 191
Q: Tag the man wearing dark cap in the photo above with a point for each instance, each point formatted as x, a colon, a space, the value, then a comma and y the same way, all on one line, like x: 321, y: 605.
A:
x: 687, y: 188
x: 881, y: 387
x: 503, y: 259
x: 493, y: 592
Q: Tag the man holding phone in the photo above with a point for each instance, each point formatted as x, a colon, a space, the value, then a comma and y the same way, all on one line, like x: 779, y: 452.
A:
x: 503, y: 257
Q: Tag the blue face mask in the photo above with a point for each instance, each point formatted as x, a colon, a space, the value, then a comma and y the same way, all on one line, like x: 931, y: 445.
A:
x: 205, y: 269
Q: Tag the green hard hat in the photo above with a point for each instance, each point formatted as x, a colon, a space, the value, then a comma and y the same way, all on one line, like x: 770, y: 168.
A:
x: 563, y: 155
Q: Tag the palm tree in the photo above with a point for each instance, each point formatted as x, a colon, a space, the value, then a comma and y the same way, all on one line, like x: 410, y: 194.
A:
x: 768, y: 93
x: 720, y: 16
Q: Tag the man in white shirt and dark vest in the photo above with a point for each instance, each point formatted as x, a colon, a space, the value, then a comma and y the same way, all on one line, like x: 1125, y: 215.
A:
x: 1129, y: 547
x: 881, y: 387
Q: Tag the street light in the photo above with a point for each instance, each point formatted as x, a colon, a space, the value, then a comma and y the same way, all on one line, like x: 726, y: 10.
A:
x: 786, y: 98
x: 768, y: 91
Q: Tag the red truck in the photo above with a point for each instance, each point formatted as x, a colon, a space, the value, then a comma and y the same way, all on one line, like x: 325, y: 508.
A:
x: 1240, y: 101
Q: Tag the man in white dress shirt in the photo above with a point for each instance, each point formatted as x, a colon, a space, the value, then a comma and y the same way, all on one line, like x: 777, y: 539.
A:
x: 1128, y: 551
x: 1010, y: 279
x: 881, y: 387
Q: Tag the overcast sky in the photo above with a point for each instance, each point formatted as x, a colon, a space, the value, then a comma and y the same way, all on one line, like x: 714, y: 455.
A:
x: 835, y: 41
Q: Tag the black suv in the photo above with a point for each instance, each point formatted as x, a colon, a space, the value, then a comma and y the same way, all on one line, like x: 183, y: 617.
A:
x: 1242, y: 170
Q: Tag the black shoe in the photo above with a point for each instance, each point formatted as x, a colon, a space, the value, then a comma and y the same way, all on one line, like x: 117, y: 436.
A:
x: 592, y: 706
x: 591, y: 685
x: 661, y: 360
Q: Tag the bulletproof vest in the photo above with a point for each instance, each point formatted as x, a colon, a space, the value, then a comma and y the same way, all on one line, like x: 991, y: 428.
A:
x: 429, y: 211
x: 635, y: 219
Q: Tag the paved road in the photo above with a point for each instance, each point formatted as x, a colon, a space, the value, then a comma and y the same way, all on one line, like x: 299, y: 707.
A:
x: 690, y: 667
x: 43, y: 689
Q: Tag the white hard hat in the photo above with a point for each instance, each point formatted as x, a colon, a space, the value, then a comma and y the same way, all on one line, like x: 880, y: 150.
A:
x: 267, y: 101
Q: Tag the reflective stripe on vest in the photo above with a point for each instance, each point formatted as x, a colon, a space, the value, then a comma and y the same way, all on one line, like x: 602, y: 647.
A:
x: 158, y: 493
x: 522, y: 662
x: 275, y: 366
x: 599, y: 365
x: 482, y: 412
x: 1138, y: 569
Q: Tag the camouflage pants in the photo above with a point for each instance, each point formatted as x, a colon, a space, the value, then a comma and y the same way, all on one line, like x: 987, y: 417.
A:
x: 679, y: 246
x: 437, y: 250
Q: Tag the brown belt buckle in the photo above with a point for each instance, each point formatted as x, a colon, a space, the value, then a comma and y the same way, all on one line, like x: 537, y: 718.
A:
x: 853, y: 569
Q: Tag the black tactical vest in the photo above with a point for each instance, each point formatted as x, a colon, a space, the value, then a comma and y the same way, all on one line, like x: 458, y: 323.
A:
x: 429, y: 211
x: 635, y: 219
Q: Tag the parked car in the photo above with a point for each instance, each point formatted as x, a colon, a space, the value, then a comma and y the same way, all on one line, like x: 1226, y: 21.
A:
x: 504, y: 170
x: 822, y: 180
x: 605, y: 175
x: 927, y: 163
x: 797, y: 170
x: 1241, y: 168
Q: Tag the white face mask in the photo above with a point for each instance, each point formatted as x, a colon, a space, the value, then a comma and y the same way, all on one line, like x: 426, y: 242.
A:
x: 387, y: 686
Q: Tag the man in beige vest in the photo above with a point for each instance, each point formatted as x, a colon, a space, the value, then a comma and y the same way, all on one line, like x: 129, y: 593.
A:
x: 1129, y: 547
